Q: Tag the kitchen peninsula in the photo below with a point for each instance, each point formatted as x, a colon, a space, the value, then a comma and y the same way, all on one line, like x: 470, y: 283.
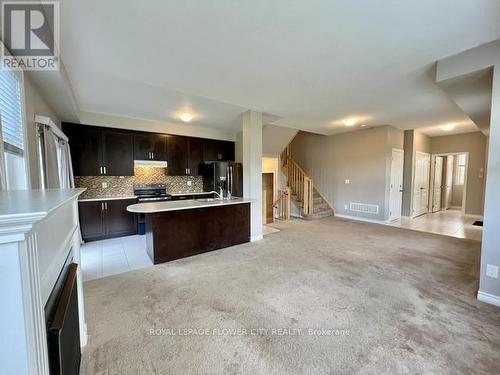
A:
x: 178, y: 229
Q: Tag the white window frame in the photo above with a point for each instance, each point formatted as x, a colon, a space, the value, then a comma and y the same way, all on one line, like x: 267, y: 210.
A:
x: 458, y: 166
x: 20, y: 75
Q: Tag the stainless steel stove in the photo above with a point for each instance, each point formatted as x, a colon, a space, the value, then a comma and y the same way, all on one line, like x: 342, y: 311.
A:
x: 151, y: 193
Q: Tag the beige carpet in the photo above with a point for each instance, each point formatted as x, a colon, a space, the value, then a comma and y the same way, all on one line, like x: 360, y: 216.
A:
x: 384, y: 300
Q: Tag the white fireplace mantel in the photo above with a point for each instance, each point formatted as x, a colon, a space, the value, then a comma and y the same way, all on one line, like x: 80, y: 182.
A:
x: 38, y: 230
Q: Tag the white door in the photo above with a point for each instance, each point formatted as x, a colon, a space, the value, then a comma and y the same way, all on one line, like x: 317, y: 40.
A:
x: 396, y: 194
x: 421, y: 188
x: 438, y: 184
x: 448, y: 186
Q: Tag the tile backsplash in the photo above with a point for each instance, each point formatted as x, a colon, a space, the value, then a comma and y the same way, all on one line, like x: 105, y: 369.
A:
x: 124, y: 186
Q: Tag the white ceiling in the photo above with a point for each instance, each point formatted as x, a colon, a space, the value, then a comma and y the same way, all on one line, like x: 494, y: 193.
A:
x: 307, y: 64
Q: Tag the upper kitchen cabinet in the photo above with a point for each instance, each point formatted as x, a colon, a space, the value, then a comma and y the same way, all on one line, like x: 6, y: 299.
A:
x: 118, y: 153
x: 150, y: 147
x: 184, y: 155
x: 196, y: 147
x: 85, y: 143
x: 178, y: 155
x: 219, y: 150
x: 99, y: 151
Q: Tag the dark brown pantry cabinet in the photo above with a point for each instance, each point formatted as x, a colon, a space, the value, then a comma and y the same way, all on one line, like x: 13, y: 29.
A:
x: 106, y: 219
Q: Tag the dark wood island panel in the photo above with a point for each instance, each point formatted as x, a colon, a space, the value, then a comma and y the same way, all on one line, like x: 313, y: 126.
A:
x: 182, y: 233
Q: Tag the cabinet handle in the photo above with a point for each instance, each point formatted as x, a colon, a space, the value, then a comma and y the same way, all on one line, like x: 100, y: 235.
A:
x: 105, y: 170
x: 100, y: 170
x: 102, y: 206
x: 106, y: 206
x: 152, y: 155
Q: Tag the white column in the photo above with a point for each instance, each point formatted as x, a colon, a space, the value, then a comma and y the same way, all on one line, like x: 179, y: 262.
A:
x: 489, y: 287
x: 252, y: 168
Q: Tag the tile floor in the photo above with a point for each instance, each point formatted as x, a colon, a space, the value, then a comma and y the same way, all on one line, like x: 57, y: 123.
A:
x: 113, y: 256
x: 118, y: 255
x: 450, y: 223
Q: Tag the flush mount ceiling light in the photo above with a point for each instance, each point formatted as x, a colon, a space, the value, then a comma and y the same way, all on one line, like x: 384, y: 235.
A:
x: 447, y: 127
x: 363, y: 126
x: 186, y: 116
x: 350, y: 121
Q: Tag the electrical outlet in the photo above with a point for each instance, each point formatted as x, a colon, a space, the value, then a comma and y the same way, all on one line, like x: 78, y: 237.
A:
x: 104, y: 185
x: 189, y: 183
x: 347, y: 182
x: 492, y: 271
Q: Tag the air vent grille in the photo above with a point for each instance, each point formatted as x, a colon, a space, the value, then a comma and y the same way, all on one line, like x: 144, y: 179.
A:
x: 365, y: 208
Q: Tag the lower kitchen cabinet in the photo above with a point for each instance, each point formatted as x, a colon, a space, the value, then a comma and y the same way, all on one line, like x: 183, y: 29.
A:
x: 107, y: 219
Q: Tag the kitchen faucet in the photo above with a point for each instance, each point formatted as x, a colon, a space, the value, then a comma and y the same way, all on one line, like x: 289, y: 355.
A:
x: 220, y: 195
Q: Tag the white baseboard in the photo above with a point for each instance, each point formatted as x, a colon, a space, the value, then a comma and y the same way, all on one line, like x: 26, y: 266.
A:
x: 488, y: 298
x: 477, y: 217
x: 256, y: 238
x: 357, y: 218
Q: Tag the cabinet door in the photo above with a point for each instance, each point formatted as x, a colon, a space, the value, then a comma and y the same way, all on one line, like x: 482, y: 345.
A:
x: 159, y: 147
x: 86, y: 149
x: 195, y: 156
x: 228, y: 151
x: 150, y: 147
x: 118, y: 153
x: 211, y: 152
x: 143, y: 147
x: 178, y: 148
x: 120, y: 222
x: 91, y: 220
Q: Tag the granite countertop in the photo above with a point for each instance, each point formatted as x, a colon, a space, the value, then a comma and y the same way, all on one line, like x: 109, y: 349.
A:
x: 165, y: 206
x: 106, y: 198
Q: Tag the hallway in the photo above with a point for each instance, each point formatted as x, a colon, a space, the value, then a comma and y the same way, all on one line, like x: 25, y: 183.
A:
x: 449, y: 223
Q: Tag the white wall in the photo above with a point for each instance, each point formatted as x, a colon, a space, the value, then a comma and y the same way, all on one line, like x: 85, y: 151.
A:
x: 112, y: 121
x: 35, y: 104
x: 362, y: 157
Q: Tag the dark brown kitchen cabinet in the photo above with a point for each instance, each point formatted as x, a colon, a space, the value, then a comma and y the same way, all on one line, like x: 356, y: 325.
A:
x: 150, y: 147
x: 107, y: 219
x: 219, y: 150
x: 99, y: 151
x: 184, y: 155
x: 85, y: 143
x: 178, y: 156
x: 195, y: 156
x: 92, y: 220
x: 118, y: 153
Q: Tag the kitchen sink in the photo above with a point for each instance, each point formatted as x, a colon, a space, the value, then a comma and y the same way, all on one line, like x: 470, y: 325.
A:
x: 208, y: 199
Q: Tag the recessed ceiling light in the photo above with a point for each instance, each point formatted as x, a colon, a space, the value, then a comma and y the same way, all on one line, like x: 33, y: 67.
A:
x: 186, y: 116
x: 448, y: 127
x: 350, y: 121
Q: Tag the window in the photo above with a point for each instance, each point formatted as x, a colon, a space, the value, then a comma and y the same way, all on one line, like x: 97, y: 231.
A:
x: 11, y: 118
x: 460, y: 169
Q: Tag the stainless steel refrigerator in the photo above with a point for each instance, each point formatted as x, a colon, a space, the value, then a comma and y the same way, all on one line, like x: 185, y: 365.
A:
x: 223, y: 174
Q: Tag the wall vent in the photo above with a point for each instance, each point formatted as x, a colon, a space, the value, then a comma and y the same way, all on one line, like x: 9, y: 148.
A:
x: 365, y: 208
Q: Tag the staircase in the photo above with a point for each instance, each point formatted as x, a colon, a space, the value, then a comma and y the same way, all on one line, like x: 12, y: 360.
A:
x: 300, y: 189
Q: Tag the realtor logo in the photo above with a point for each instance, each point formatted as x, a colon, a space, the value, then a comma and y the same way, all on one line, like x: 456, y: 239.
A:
x: 30, y: 35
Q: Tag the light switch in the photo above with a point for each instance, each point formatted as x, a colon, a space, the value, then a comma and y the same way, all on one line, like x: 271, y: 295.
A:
x: 492, y: 271
x: 347, y: 182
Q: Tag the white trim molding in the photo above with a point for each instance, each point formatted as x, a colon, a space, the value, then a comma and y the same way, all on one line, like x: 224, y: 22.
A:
x: 358, y: 218
x: 488, y: 298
